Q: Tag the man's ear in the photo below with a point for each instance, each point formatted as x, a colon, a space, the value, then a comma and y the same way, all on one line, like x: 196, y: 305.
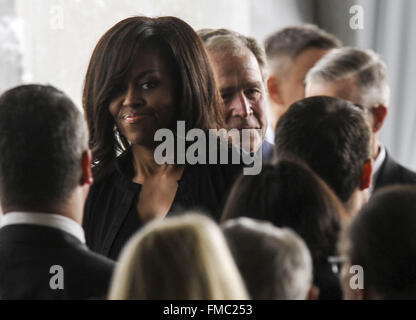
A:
x: 365, y: 181
x: 86, y: 176
x: 379, y: 113
x: 274, y: 90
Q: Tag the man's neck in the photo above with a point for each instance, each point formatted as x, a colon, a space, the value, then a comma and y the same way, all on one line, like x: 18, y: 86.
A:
x: 356, y: 201
x: 72, y: 208
x: 276, y: 111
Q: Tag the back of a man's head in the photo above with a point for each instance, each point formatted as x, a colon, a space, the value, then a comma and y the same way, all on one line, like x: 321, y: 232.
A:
x: 283, y: 46
x: 331, y: 136
x: 42, y: 139
x: 381, y: 239
x: 275, y: 263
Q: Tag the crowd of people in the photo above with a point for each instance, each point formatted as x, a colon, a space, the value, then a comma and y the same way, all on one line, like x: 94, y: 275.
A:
x: 89, y: 212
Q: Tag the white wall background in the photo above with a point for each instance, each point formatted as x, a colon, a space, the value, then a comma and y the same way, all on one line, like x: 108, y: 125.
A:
x: 390, y: 30
x: 56, y: 37
x: 10, y: 53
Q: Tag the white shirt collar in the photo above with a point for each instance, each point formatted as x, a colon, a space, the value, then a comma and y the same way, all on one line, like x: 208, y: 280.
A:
x: 380, y: 159
x: 269, y: 137
x: 45, y: 219
x: 378, y: 162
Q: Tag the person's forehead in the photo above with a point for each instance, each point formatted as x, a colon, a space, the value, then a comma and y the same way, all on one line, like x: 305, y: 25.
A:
x: 148, y: 58
x: 346, y: 89
x: 305, y: 60
x: 236, y: 68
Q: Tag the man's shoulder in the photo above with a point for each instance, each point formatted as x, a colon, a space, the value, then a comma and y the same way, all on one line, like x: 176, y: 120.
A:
x: 92, y: 259
x: 49, y: 253
x: 50, y: 243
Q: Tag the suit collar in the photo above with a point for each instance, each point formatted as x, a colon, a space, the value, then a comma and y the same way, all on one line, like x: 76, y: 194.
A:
x: 37, y: 236
x: 377, y: 166
x: 45, y: 219
x: 386, y: 172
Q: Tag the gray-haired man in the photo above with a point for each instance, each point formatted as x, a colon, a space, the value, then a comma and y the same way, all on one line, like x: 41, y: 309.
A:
x: 360, y: 76
x: 240, y: 69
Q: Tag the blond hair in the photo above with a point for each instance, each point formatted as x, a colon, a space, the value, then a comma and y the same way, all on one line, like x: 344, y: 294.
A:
x: 183, y: 257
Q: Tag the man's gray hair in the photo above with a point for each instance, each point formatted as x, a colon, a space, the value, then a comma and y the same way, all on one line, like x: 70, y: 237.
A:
x: 281, y: 255
x: 363, y: 66
x: 224, y: 40
x: 283, y: 46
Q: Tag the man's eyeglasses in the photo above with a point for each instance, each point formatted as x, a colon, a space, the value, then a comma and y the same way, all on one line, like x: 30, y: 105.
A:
x: 336, y: 263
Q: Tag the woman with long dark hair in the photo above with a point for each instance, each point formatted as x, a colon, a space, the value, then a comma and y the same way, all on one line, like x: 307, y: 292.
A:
x: 146, y: 74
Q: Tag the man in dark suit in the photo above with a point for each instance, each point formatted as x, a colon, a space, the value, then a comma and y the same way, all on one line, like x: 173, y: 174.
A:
x: 360, y: 76
x: 44, y: 180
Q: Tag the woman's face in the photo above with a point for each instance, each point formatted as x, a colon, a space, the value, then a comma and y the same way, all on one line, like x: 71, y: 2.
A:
x: 147, y: 100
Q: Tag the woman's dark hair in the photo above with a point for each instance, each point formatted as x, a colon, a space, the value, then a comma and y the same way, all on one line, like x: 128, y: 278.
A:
x: 199, y: 104
x: 289, y: 194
